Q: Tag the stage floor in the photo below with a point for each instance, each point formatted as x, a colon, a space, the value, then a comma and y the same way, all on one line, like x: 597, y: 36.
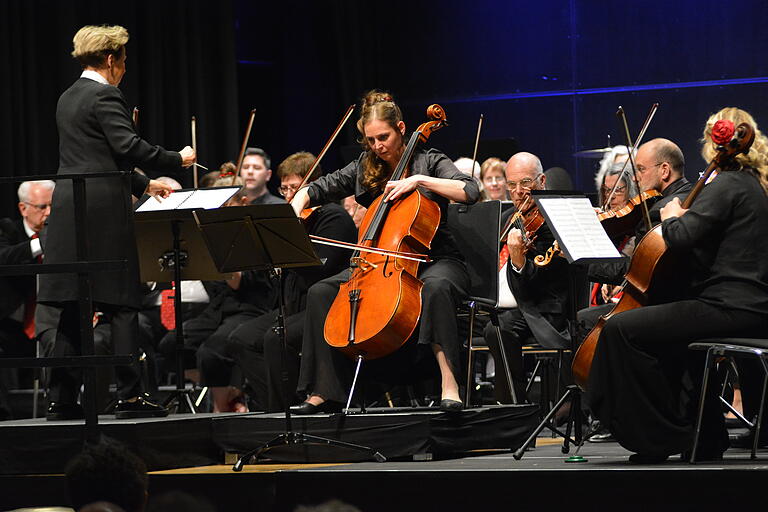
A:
x: 478, y: 481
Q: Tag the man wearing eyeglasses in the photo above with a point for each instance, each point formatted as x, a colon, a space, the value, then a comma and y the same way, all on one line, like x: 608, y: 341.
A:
x: 19, y: 244
x: 660, y: 166
x: 536, y: 295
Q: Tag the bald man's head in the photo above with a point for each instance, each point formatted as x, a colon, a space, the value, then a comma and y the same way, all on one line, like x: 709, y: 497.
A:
x: 659, y: 163
x: 524, y: 173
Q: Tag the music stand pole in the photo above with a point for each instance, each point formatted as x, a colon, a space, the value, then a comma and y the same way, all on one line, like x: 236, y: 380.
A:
x: 572, y: 393
x: 179, y: 395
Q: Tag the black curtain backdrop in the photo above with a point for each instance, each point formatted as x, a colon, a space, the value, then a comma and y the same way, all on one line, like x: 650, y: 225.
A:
x: 181, y: 62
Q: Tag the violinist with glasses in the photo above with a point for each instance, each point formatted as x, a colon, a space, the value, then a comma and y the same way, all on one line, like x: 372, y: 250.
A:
x: 537, y: 295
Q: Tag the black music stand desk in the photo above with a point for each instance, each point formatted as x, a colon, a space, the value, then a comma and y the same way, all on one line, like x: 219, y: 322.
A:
x: 271, y: 237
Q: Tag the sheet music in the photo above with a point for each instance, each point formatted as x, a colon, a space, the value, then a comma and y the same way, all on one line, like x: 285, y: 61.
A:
x: 574, y: 222
x: 171, y: 202
x: 206, y: 198
x: 209, y: 198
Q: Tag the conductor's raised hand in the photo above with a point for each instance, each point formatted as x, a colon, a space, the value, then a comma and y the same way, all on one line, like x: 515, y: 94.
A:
x: 158, y: 189
x: 397, y: 188
x: 188, y: 156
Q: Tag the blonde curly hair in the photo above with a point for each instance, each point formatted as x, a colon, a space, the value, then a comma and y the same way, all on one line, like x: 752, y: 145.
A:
x: 93, y: 43
x: 378, y: 105
x: 757, y: 156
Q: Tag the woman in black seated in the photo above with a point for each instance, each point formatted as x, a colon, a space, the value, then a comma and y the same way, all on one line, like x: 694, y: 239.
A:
x: 640, y: 382
x: 445, y: 279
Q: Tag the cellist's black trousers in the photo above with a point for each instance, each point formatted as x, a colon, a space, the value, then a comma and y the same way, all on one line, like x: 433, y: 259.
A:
x: 325, y: 371
x: 644, y: 382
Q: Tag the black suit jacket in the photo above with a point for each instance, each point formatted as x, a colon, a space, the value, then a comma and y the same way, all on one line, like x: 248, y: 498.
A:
x: 14, y: 250
x: 96, y: 134
x: 542, y: 292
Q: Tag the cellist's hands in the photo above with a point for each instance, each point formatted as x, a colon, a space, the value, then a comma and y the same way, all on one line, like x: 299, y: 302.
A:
x: 672, y: 209
x: 395, y: 189
x: 516, y: 248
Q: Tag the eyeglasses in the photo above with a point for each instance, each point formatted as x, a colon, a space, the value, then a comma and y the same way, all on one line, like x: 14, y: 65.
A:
x: 525, y: 183
x: 642, y: 168
x: 287, y: 189
x: 491, y: 180
x: 41, y: 207
x: 619, y: 190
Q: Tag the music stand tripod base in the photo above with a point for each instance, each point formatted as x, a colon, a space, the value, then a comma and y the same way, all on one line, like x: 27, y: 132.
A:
x: 312, y: 449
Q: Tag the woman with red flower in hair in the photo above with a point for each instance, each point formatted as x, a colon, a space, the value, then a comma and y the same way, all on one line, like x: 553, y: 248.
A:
x: 644, y: 382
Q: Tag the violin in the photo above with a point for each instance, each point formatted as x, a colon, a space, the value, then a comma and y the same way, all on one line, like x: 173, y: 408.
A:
x: 528, y: 219
x: 652, y: 268
x: 378, y: 308
x: 623, y: 221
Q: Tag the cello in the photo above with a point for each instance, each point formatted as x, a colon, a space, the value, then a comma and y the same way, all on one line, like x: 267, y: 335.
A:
x: 652, y: 264
x: 378, y: 308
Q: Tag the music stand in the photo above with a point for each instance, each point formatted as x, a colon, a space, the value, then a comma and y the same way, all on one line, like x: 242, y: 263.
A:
x: 171, y: 249
x: 583, y: 240
x: 270, y: 237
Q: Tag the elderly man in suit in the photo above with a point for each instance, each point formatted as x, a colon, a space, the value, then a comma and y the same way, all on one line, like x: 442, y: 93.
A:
x: 537, y: 295
x: 95, y: 135
x: 19, y: 244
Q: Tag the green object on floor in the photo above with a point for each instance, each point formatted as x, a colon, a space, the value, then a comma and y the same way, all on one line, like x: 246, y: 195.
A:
x: 575, y: 458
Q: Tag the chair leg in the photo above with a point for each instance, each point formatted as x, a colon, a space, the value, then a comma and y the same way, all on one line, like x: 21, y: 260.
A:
x: 470, y: 356
x: 533, y: 376
x: 704, y: 385
x: 759, y: 422
x: 505, y: 363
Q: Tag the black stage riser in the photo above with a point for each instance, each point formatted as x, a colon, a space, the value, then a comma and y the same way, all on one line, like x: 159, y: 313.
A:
x: 185, y: 440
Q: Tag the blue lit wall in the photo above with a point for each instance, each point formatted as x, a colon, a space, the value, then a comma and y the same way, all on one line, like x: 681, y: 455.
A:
x: 548, y: 73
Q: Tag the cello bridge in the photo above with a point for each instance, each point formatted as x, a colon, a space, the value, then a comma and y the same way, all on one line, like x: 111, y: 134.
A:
x: 363, y: 264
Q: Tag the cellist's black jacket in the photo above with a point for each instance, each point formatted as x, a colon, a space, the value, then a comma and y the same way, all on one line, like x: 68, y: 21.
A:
x: 724, y: 236
x: 347, y: 181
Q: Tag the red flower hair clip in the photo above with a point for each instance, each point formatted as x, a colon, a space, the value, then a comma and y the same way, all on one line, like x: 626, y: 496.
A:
x: 723, y: 131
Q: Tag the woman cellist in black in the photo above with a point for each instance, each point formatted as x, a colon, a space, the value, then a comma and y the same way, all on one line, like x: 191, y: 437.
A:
x: 638, y: 387
x: 445, y: 278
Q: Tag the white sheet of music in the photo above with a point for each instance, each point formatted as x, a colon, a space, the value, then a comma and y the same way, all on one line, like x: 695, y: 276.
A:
x: 574, y: 223
x: 205, y: 198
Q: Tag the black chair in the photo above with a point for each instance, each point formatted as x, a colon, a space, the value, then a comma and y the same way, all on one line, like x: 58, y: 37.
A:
x: 731, y: 347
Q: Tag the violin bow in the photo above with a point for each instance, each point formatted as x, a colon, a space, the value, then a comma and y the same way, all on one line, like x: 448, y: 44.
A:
x: 477, y: 142
x: 194, y: 148
x: 622, y: 115
x: 247, y: 136
x: 320, y: 155
x: 640, y: 136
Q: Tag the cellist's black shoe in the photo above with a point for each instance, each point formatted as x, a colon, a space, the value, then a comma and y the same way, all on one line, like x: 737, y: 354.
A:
x: 306, y: 408
x: 138, y: 407
x: 448, y: 405
x: 60, y: 412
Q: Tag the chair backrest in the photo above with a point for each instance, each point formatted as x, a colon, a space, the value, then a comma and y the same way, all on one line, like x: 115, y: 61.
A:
x: 476, y: 231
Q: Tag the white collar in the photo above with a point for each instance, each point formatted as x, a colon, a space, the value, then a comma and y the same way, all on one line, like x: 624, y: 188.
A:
x: 93, y: 75
x: 28, y: 230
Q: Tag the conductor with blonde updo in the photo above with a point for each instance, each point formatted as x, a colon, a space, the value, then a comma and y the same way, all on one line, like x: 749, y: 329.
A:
x: 96, y: 134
